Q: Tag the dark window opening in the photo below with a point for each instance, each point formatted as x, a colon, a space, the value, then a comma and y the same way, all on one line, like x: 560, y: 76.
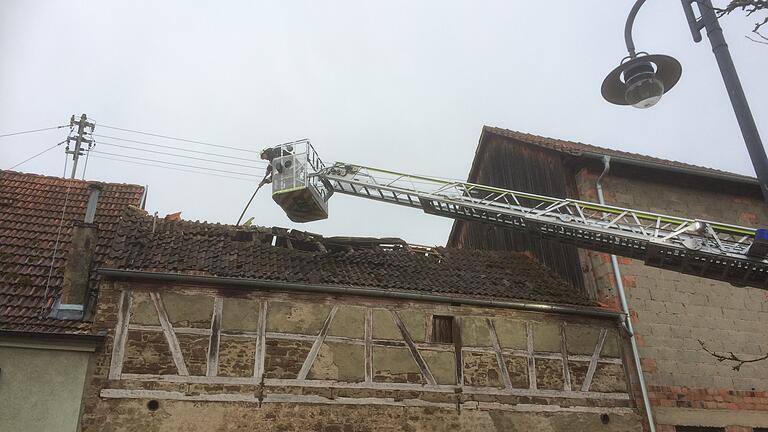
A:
x: 442, y: 329
x: 698, y: 429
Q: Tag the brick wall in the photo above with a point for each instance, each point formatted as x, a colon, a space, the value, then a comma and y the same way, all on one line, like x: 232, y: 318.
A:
x: 281, y: 359
x: 672, y: 311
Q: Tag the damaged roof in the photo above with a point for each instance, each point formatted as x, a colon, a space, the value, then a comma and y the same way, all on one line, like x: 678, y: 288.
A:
x: 31, y: 214
x: 148, y: 244
x: 580, y: 149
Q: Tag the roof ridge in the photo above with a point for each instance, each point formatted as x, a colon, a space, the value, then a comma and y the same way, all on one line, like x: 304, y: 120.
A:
x: 57, y: 178
x: 578, y: 148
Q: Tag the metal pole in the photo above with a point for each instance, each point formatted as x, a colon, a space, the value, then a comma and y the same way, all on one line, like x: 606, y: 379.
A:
x: 709, y: 22
x: 628, y: 28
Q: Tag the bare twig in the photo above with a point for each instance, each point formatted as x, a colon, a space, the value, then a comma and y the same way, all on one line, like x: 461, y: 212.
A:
x: 749, y: 7
x: 764, y: 42
x: 731, y: 357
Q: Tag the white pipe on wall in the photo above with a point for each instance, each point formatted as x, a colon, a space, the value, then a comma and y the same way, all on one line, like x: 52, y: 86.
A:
x: 625, y: 306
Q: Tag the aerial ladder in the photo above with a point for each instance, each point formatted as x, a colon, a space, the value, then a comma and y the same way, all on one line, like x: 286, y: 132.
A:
x: 302, y: 185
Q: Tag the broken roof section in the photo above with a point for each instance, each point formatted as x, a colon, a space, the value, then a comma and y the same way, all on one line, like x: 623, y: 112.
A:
x: 31, y: 214
x: 144, y: 243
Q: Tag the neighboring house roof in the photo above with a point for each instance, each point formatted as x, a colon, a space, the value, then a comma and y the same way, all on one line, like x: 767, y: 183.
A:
x: 581, y: 149
x: 147, y: 244
x: 31, y: 214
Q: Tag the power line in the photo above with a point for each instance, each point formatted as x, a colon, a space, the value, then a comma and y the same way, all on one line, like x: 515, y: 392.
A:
x: 193, y: 141
x: 31, y: 131
x: 32, y: 157
x: 178, y: 139
x: 178, y: 155
x: 178, y: 148
x: 173, y: 163
x: 174, y: 169
x: 44, y: 306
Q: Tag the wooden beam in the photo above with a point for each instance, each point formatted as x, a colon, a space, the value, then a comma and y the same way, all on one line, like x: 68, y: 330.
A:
x: 121, y: 335
x: 258, y: 367
x: 458, y: 352
x: 368, y: 345
x: 275, y: 382
x: 425, y: 372
x: 215, y: 339
x: 316, y: 346
x: 531, y: 358
x: 316, y: 399
x: 593, y: 363
x: 170, y: 336
x: 499, y: 356
x: 564, y: 350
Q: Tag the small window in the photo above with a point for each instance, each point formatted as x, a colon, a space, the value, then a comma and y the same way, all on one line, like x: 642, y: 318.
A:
x: 442, y: 329
x: 698, y: 429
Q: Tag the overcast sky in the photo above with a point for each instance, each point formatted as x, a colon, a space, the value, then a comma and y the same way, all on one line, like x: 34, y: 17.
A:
x: 401, y: 85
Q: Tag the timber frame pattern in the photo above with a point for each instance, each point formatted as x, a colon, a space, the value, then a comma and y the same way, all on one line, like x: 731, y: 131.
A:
x: 214, y: 334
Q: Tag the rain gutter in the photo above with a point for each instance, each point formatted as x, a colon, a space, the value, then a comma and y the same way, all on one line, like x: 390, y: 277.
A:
x: 676, y: 169
x: 360, y: 291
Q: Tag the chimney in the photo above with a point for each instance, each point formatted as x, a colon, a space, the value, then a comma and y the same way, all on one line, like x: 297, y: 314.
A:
x: 77, y: 270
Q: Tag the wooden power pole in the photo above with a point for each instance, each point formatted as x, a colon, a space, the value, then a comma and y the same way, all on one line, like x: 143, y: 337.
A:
x: 79, y: 139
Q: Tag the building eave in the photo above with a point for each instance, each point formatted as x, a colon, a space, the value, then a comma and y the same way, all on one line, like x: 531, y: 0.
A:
x: 243, y: 283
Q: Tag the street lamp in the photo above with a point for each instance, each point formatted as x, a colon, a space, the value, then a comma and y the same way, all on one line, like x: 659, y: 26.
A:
x: 641, y: 78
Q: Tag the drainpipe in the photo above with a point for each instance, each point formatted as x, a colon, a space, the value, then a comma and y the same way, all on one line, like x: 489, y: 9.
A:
x: 625, y: 307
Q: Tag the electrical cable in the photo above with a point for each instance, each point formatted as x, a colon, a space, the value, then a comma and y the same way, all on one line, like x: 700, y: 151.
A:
x: 196, y: 142
x: 177, y: 148
x: 174, y: 169
x: 85, y: 166
x: 178, y: 139
x: 44, y: 306
x: 32, y: 131
x: 178, y: 155
x: 173, y: 163
x: 44, y: 151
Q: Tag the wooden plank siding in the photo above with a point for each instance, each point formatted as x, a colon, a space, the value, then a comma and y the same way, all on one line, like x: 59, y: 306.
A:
x: 506, y: 163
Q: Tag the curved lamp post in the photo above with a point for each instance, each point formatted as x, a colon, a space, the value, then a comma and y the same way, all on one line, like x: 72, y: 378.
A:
x: 641, y: 78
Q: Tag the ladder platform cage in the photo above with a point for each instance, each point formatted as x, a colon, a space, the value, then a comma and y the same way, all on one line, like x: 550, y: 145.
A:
x: 302, y: 196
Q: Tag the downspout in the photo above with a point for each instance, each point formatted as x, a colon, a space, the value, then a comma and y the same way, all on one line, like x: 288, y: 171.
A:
x: 625, y: 307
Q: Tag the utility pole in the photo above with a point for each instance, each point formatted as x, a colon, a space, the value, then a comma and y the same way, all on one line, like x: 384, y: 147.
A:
x: 79, y: 139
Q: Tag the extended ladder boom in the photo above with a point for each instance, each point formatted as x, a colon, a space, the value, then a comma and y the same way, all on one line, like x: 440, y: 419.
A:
x: 703, y: 248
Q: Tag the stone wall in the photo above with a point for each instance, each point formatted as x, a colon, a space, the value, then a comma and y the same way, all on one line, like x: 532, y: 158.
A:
x: 285, y: 361
x: 672, y: 312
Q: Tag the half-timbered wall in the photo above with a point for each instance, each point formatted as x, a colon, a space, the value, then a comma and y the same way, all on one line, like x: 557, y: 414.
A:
x: 195, y: 344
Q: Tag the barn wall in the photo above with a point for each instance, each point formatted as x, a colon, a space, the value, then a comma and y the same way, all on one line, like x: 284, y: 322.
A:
x: 502, y: 163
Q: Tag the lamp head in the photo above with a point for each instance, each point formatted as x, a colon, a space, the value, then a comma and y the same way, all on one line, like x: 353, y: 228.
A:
x: 641, y: 81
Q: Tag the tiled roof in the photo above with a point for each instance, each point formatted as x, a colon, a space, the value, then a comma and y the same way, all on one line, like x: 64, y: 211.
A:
x: 30, y: 215
x: 157, y: 245
x: 577, y: 148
